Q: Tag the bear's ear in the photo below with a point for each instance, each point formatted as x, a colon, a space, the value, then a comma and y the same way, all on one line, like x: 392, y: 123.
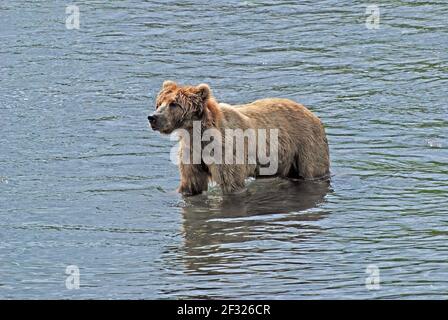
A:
x: 168, y: 83
x: 203, y: 90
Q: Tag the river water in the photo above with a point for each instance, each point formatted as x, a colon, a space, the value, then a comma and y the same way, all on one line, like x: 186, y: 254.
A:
x: 85, y: 183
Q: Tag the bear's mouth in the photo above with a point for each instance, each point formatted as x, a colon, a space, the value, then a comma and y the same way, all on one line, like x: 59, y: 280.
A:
x: 161, y: 130
x: 164, y: 131
x: 153, y: 126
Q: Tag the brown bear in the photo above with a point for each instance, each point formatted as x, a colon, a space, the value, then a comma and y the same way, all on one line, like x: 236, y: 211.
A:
x: 276, y: 133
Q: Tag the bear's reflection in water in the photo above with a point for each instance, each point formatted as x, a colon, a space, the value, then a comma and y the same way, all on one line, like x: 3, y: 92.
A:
x: 221, y: 230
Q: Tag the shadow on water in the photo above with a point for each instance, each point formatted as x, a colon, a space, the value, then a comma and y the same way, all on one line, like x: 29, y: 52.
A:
x: 263, y: 196
x: 219, y: 230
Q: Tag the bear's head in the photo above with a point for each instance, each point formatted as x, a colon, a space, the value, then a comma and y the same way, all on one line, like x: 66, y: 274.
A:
x: 178, y: 106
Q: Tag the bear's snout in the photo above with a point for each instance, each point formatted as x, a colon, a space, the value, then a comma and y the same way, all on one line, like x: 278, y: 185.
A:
x: 153, y: 121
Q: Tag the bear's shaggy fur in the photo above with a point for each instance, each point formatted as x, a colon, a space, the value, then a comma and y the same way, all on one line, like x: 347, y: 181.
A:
x: 302, y: 144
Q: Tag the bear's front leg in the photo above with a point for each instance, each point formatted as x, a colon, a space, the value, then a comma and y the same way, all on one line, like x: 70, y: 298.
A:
x: 230, y: 178
x: 194, y: 179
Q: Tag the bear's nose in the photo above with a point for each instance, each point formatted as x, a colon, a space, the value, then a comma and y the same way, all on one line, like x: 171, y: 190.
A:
x: 152, y: 118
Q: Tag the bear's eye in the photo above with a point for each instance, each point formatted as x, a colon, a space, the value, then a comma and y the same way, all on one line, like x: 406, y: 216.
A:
x: 173, y: 105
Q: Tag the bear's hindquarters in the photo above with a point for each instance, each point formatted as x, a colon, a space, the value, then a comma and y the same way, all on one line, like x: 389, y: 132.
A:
x: 312, y: 160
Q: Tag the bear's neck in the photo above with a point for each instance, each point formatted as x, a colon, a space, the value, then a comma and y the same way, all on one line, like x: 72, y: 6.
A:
x: 212, y: 114
x: 211, y: 118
